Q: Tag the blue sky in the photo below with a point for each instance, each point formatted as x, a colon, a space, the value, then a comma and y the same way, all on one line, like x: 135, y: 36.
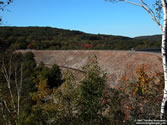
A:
x: 91, y: 16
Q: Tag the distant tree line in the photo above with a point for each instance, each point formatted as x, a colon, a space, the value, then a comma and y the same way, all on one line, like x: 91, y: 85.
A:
x: 58, y: 39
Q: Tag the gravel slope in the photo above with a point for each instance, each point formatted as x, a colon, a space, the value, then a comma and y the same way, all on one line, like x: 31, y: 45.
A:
x: 115, y: 63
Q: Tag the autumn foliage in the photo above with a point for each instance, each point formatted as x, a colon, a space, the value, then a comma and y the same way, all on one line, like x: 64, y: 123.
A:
x: 143, y: 94
x: 52, y: 97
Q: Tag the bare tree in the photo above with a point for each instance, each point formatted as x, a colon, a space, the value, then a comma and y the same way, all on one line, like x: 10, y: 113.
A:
x: 11, y: 107
x: 157, y: 12
x: 3, y: 5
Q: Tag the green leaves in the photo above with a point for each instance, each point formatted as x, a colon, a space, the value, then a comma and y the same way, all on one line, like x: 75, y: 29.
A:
x: 91, y: 91
x: 53, y: 75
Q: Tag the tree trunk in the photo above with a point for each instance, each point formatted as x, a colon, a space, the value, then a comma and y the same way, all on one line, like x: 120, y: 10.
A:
x: 164, y: 59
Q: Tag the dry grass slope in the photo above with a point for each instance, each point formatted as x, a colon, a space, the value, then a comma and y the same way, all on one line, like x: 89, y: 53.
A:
x: 114, y: 63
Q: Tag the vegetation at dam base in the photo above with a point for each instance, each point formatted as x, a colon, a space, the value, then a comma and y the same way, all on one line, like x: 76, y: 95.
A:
x: 49, y: 97
x: 41, y: 38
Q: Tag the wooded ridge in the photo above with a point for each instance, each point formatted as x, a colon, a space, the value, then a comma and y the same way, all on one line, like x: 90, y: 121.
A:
x: 47, y: 38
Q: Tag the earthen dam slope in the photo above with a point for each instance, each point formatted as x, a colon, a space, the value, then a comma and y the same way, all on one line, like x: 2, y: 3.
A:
x: 115, y: 63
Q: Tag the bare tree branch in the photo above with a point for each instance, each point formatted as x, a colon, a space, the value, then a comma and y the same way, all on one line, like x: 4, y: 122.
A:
x: 127, y: 1
x: 151, y: 13
x: 15, y: 105
x: 143, y: 5
x: 156, y: 17
x: 19, y: 90
x: 3, y: 5
x: 6, y: 106
x: 2, y: 111
x: 7, y: 76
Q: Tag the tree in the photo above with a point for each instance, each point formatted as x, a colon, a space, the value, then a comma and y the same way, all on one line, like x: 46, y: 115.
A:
x: 53, y: 75
x: 55, y: 105
x: 3, y: 4
x: 66, y: 97
x: 143, y: 93
x: 10, y: 93
x: 91, y: 93
x: 75, y: 101
x: 16, y: 83
x: 156, y: 12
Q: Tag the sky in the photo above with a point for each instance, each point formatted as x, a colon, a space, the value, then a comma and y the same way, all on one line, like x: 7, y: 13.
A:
x: 90, y: 16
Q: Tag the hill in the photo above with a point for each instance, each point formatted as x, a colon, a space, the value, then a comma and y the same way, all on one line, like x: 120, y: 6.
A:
x: 47, y: 38
x: 152, y: 37
x: 115, y: 63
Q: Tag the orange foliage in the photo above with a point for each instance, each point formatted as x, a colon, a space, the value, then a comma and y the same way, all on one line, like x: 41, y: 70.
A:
x: 87, y: 46
x: 147, y: 88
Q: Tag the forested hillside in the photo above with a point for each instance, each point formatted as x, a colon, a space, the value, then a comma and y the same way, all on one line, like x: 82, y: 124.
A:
x: 32, y: 93
x: 59, y: 39
x: 152, y: 37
